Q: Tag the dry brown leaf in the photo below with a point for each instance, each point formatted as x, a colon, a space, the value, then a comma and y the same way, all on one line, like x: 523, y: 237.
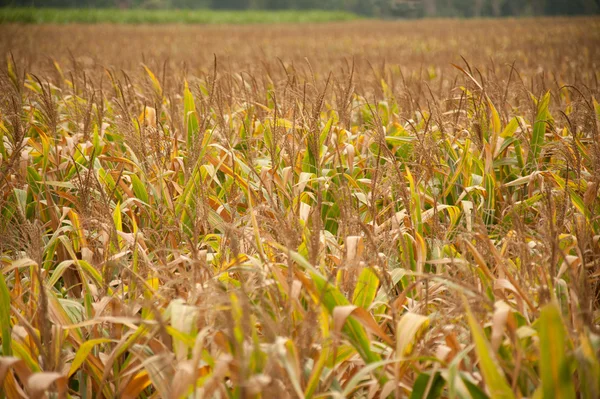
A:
x: 354, y: 248
x: 501, y: 312
x: 185, y: 376
x: 136, y: 385
x: 39, y: 383
x: 18, y: 365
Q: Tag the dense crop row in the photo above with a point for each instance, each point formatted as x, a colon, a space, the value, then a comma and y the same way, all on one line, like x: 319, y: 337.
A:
x: 299, y: 234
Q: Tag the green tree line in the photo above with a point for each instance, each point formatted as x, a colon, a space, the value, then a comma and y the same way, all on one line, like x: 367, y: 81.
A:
x: 377, y: 8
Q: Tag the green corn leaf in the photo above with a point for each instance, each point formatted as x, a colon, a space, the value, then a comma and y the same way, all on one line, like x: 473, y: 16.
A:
x: 189, y: 116
x: 117, y: 218
x: 460, y: 168
x: 575, y: 198
x: 490, y: 203
x: 492, y: 374
x: 589, y: 368
x: 325, y: 132
x: 539, y: 130
x: 428, y: 386
x: 366, y: 288
x: 416, y: 203
x: 5, y: 317
x: 474, y: 391
x: 331, y: 298
x: 110, y: 183
x: 557, y: 381
x: 510, y: 129
x: 139, y: 189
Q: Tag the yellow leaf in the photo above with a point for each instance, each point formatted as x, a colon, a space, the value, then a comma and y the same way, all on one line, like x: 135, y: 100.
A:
x: 408, y: 331
x: 83, y: 352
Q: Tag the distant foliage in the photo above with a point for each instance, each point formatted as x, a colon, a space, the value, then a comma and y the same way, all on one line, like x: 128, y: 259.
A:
x: 151, y: 15
x: 377, y: 8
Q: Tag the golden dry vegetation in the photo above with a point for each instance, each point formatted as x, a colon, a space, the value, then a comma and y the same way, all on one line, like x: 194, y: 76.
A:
x: 327, y: 210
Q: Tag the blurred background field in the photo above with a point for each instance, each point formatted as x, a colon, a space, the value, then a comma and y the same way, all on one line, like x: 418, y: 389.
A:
x: 562, y: 47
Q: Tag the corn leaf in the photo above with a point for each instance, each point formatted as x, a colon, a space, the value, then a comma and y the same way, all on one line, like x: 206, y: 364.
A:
x: 189, y: 116
x: 83, y: 352
x: 557, y: 381
x: 493, y: 376
x: 539, y: 131
x: 428, y: 386
x: 366, y: 288
x: 5, y: 317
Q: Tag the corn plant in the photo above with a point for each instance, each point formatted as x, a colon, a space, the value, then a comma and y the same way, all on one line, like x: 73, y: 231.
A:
x: 225, y: 235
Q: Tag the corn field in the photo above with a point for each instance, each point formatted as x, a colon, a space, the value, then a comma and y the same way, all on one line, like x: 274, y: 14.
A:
x: 295, y: 220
